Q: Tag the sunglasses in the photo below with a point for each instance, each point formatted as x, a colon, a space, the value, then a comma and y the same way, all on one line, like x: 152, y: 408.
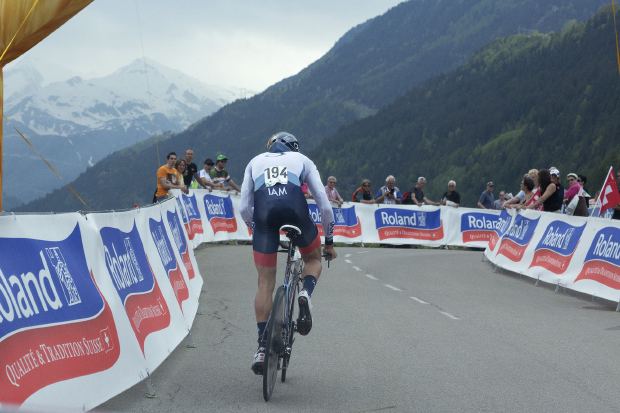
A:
x: 366, y: 185
x: 572, y: 179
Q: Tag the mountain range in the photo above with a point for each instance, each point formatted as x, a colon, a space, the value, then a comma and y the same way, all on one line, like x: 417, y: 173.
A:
x: 373, y: 64
x: 77, y: 122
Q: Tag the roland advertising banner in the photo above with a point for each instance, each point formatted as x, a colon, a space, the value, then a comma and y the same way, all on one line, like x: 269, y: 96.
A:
x: 347, y: 225
x: 55, y: 325
x: 401, y: 225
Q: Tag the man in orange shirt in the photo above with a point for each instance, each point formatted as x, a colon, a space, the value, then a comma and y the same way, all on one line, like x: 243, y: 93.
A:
x: 168, y: 178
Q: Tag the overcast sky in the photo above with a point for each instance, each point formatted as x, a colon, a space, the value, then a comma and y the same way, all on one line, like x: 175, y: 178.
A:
x: 248, y: 44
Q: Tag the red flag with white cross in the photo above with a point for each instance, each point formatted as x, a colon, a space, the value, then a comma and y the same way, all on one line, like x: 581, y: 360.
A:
x: 609, y: 196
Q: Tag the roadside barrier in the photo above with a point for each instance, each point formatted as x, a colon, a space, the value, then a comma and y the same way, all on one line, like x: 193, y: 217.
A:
x: 91, y: 304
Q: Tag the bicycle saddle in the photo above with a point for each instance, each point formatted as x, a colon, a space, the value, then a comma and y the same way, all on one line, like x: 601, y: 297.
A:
x: 291, y: 231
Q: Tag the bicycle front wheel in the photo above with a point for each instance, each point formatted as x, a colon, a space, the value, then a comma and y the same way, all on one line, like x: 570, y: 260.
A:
x: 274, y: 345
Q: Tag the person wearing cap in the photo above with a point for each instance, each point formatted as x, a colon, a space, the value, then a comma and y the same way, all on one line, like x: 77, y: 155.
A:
x: 220, y: 175
x: 416, y: 196
x: 205, y: 179
x: 555, y: 179
x: 486, y: 200
x: 576, y: 190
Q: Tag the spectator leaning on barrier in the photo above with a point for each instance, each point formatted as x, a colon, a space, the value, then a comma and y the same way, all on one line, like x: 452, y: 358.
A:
x: 220, y: 175
x: 168, y: 178
x: 205, y: 177
x: 389, y: 194
x: 548, y: 197
x: 192, y: 168
x: 486, y: 200
x: 531, y: 194
x: 363, y: 194
x: 181, y: 166
x: 451, y: 197
x: 575, y: 190
x: 416, y: 196
x: 555, y: 178
x: 332, y: 192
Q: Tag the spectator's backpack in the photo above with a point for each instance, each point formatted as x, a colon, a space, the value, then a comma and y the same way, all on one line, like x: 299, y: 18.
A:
x: 406, y: 198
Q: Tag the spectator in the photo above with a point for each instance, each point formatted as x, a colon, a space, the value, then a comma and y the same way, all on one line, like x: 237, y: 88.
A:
x: 332, y: 192
x: 220, y: 175
x: 363, y: 194
x: 582, y: 179
x: 531, y: 194
x: 168, y: 178
x: 181, y: 166
x: 204, y: 177
x: 575, y: 190
x: 451, y: 196
x: 192, y: 170
x: 616, y: 214
x: 499, y: 203
x: 416, y: 196
x: 307, y: 192
x: 389, y: 194
x: 486, y: 200
x: 518, y: 199
x: 555, y: 178
x: 548, y: 197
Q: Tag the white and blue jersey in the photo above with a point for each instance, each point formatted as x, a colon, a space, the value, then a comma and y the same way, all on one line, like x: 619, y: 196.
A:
x: 271, y: 196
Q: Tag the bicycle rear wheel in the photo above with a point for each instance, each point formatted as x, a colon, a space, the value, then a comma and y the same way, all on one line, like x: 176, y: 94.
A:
x: 274, y: 345
x: 291, y: 330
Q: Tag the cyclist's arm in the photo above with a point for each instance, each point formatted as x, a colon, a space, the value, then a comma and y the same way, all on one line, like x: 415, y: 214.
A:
x: 247, y: 197
x: 313, y: 179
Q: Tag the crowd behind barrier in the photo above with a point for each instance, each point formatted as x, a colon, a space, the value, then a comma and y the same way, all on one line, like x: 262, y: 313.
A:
x: 80, y: 325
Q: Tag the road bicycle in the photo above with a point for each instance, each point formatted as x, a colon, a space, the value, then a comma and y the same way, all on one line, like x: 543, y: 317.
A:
x: 282, y: 325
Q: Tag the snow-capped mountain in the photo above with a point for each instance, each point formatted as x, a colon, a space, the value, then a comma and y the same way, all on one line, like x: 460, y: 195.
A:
x: 113, y: 102
x: 76, y: 122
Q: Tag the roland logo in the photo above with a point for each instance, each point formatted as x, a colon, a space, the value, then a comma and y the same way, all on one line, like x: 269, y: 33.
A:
x: 518, y: 231
x: 216, y: 208
x: 484, y: 223
x: 190, y: 207
x: 123, y: 267
x: 607, y: 248
x: 30, y: 294
x: 557, y: 239
x: 315, y: 215
x: 176, y: 233
x: 396, y: 219
x: 162, y: 246
x: 339, y: 215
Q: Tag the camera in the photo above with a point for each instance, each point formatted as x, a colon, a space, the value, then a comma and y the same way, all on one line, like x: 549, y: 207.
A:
x: 392, y: 191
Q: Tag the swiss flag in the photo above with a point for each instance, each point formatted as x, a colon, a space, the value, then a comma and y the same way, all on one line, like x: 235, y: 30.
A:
x: 609, y: 196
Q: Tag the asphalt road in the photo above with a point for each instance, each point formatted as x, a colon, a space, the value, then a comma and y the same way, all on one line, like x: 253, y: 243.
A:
x: 395, y: 330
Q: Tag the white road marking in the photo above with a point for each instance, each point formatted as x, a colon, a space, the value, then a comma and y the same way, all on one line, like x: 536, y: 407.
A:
x: 418, y: 300
x: 363, y: 252
x: 348, y: 261
x: 347, y: 255
x: 371, y: 277
x: 356, y: 268
x: 449, y: 315
x: 392, y: 287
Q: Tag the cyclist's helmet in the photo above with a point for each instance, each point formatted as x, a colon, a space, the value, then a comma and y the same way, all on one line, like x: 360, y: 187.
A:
x: 283, y: 142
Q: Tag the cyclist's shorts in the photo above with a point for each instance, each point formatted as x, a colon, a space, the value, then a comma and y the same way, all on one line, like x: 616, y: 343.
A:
x: 277, y: 206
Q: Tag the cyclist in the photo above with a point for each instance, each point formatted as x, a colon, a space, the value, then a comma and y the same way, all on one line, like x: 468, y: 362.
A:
x: 271, y: 196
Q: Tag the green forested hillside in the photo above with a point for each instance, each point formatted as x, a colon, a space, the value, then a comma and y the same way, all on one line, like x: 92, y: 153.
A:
x: 522, y: 102
x: 369, y: 67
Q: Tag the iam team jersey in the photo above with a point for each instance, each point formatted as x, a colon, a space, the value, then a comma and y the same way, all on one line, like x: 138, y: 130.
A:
x: 273, y: 172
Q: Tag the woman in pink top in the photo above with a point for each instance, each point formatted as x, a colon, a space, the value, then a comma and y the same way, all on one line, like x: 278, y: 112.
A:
x: 332, y: 193
x: 581, y: 210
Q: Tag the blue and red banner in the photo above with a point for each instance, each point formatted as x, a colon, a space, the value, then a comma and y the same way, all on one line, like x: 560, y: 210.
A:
x: 180, y: 242
x: 220, y: 213
x: 602, y: 262
x: 407, y: 223
x: 134, y: 282
x: 168, y: 260
x: 515, y: 241
x: 346, y: 223
x: 193, y: 215
x: 557, y: 246
x: 54, y: 323
x: 477, y: 226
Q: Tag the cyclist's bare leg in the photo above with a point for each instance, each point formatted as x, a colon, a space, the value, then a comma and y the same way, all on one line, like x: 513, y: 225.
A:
x: 264, y: 296
x: 312, y: 263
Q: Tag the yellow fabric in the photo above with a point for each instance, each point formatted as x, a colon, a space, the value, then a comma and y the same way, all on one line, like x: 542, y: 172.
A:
x: 23, y: 31
x: 47, y: 16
